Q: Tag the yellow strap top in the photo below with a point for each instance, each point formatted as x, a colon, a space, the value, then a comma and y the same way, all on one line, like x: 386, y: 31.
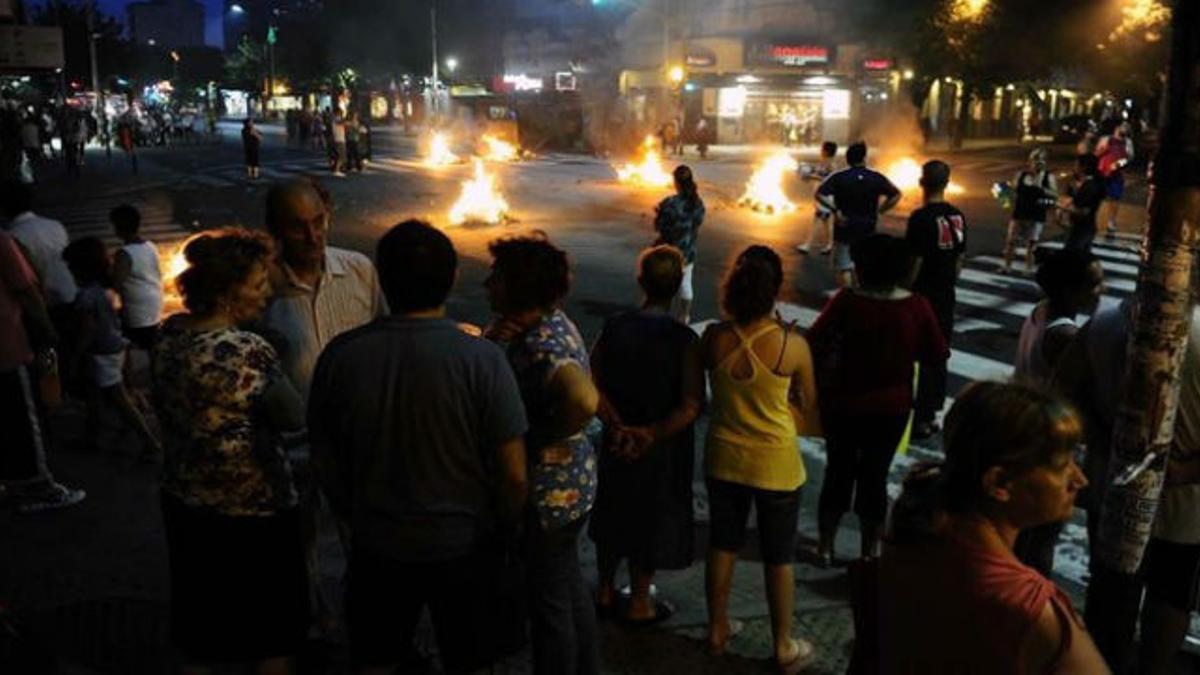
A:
x: 752, y: 434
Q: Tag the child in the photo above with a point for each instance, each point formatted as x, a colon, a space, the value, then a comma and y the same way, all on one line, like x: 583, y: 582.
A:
x: 137, y: 278
x: 822, y: 217
x: 101, y: 347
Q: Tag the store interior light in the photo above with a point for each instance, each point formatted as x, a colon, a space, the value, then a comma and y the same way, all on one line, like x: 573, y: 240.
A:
x: 746, y: 79
x: 819, y: 80
x: 908, y: 74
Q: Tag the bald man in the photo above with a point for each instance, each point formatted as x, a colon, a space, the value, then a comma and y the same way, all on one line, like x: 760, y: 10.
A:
x: 320, y: 291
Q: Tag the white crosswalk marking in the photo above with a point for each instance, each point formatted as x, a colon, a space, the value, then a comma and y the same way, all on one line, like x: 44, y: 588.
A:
x: 91, y: 220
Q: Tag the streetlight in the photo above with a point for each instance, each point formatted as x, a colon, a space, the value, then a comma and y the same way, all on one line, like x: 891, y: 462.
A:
x: 452, y: 64
x: 236, y: 9
x: 174, y: 67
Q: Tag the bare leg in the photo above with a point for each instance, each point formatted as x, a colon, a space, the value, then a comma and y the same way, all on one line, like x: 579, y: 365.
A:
x: 606, y: 588
x: 870, y: 539
x: 641, y: 605
x: 1010, y: 245
x: 781, y: 591
x: 718, y: 578
x: 1163, y: 631
x: 278, y: 665
x: 1030, y: 251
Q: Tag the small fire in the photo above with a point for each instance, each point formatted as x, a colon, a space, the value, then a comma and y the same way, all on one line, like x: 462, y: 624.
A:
x: 173, y: 263
x: 764, y: 190
x: 480, y: 200
x: 648, y: 172
x: 439, y: 151
x: 498, y: 150
x: 905, y: 173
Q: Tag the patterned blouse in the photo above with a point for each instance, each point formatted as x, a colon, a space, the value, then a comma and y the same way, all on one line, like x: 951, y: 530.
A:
x: 221, y: 453
x: 561, y: 492
x: 677, y: 221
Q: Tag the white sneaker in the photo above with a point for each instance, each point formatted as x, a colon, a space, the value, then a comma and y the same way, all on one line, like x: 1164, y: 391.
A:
x: 339, y: 174
x: 58, y: 496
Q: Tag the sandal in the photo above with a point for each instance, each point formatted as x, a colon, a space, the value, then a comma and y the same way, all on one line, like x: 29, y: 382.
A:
x: 806, y: 654
x: 735, y: 629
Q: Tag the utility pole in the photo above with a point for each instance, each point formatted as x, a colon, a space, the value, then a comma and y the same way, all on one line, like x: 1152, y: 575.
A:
x: 101, y: 108
x: 1145, y: 423
x: 433, y: 102
x: 272, y: 36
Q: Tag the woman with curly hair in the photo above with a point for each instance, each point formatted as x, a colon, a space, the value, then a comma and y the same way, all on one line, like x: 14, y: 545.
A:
x: 761, y: 375
x: 529, y: 280
x: 238, y: 581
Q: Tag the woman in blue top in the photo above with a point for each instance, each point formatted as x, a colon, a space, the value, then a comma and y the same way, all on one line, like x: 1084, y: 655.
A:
x: 529, y: 279
x: 677, y: 220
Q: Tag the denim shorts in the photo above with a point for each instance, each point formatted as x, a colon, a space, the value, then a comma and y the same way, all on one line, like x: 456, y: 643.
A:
x: 778, y: 514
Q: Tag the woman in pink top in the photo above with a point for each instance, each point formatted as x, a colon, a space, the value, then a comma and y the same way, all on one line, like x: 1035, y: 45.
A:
x: 953, y: 598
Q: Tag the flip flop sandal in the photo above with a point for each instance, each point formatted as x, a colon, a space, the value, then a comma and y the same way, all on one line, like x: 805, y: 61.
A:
x: 806, y: 654
x: 736, y: 626
x: 663, y: 611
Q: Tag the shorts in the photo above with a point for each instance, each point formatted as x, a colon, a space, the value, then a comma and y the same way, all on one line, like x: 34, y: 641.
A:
x: 778, y: 515
x: 842, y: 262
x: 385, y: 599
x: 108, y: 369
x: 1025, y: 230
x: 685, y: 289
x: 1172, y: 573
x: 1114, y: 186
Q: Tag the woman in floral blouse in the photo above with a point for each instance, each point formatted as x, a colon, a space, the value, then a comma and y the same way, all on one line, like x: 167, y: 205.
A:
x: 529, y: 279
x: 239, y: 589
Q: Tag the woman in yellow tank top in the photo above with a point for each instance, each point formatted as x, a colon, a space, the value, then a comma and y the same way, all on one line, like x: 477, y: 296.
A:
x: 763, y: 397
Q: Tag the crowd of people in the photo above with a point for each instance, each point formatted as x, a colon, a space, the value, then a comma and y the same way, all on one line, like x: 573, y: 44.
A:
x: 463, y: 464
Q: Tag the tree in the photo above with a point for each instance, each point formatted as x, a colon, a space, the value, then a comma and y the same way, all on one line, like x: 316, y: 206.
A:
x: 245, y: 68
x: 1145, y: 420
x: 72, y: 16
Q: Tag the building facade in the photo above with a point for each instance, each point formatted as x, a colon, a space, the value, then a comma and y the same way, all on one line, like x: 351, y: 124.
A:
x: 172, y: 24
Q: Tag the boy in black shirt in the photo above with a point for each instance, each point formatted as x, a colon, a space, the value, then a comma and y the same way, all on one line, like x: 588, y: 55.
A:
x: 937, y: 235
x: 1086, y: 198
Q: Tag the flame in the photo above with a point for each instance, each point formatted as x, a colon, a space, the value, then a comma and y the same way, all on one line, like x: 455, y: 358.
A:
x: 480, y: 200
x: 905, y: 173
x: 497, y: 150
x: 647, y: 172
x: 172, y: 263
x: 439, y: 151
x: 764, y: 190
x: 1148, y: 17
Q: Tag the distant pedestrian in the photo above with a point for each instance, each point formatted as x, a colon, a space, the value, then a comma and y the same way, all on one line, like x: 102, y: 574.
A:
x: 319, y: 131
x: 1073, y: 282
x: 27, y: 353
x: 337, y: 147
x: 937, y: 237
x: 763, y: 398
x: 702, y: 136
x: 648, y: 370
x: 822, y: 221
x: 126, y: 137
x: 854, y: 196
x: 952, y: 596
x: 354, y: 158
x: 677, y: 220
x: 530, y: 278
x: 1036, y: 192
x: 42, y: 240
x: 417, y: 436
x: 1114, y: 153
x: 866, y: 384
x: 100, y: 350
x: 238, y: 585
x: 1087, y: 196
x: 251, y: 141
x: 137, y: 278
x: 31, y: 139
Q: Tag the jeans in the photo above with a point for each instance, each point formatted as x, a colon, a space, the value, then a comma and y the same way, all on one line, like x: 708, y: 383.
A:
x: 561, y: 615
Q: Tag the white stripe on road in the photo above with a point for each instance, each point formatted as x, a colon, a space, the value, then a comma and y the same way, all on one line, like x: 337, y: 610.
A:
x: 1123, y: 254
x: 1002, y: 280
x: 1109, y: 267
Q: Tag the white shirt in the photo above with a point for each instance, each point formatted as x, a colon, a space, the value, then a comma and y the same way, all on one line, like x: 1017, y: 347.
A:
x: 142, y: 290
x: 45, y: 240
x: 347, y: 296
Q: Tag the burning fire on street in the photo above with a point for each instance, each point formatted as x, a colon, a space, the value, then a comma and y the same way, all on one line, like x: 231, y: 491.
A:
x: 905, y: 173
x: 498, y: 150
x: 764, y: 191
x: 648, y: 170
x: 439, y: 151
x: 173, y: 263
x: 480, y: 201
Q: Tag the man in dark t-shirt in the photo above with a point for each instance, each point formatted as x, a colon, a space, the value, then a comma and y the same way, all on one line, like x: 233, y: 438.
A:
x: 853, y: 195
x: 937, y: 236
x: 1086, y: 198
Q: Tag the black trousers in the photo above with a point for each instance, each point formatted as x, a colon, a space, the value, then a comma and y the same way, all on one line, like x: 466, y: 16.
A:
x: 23, y: 459
x: 859, y: 450
x: 931, y: 384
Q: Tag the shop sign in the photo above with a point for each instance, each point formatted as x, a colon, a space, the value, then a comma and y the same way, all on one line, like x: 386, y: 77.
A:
x: 877, y: 64
x: 699, y: 57
x: 792, y: 55
x: 731, y: 102
x: 31, y: 47
x: 520, y: 82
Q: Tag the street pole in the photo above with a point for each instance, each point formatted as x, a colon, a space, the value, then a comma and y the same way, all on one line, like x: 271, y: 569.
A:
x: 270, y: 77
x: 1145, y: 422
x: 433, y: 102
x: 102, y: 112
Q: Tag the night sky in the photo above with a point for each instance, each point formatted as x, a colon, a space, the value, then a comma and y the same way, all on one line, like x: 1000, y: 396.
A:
x: 212, y: 16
